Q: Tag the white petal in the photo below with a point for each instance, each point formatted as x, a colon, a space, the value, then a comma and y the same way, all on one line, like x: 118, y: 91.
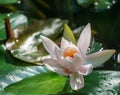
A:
x: 61, y: 71
x: 49, y: 45
x: 76, y: 81
x: 99, y: 58
x: 59, y: 57
x: 64, y: 43
x: 73, y: 64
x: 86, y: 69
x: 54, y: 66
x: 85, y: 38
x: 51, y: 64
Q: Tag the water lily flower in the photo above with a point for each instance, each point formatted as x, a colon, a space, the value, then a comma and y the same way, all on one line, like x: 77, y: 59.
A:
x: 72, y: 60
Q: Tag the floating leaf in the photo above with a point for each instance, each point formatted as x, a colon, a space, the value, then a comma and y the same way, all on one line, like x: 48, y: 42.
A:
x: 13, y: 70
x: 42, y: 84
x: 97, y: 83
x: 2, y: 92
x: 26, y: 44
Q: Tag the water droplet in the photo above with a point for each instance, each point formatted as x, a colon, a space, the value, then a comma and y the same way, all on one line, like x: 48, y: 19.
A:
x: 8, y: 15
x: 108, y: 7
x: 16, y: 40
x: 96, y: 3
x: 113, y: 1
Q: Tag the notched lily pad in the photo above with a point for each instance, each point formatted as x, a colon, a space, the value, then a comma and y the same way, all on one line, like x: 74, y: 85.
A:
x: 26, y: 44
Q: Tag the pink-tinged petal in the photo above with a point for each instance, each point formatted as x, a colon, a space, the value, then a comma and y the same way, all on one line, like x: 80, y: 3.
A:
x: 86, y: 69
x: 64, y: 43
x: 82, y: 55
x: 51, y: 64
x: 49, y: 45
x: 76, y: 81
x: 59, y: 57
x: 61, y: 71
x: 54, y: 66
x: 73, y: 64
x: 85, y: 38
x: 99, y: 57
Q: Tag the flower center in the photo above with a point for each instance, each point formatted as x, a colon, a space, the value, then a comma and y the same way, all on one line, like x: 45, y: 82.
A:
x: 69, y: 52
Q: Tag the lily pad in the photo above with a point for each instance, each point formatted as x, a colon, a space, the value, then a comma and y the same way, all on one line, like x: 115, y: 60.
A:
x: 97, y: 83
x: 26, y: 44
x: 13, y: 70
x: 42, y: 84
x: 100, y: 83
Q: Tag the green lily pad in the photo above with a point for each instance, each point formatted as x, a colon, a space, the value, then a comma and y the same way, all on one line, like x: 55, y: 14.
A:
x: 2, y: 92
x: 96, y: 83
x: 42, y: 84
x: 13, y: 70
x: 101, y: 83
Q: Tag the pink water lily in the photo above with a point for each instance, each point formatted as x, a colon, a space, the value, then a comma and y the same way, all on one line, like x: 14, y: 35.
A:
x: 72, y: 60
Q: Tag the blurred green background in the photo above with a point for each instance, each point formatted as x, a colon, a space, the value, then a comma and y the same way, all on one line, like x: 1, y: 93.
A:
x: 104, y: 15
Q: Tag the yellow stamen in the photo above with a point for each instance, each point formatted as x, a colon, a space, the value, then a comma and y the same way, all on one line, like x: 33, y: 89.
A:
x: 69, y: 52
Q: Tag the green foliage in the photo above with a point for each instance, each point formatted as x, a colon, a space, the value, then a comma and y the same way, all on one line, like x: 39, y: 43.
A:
x: 84, y: 3
x: 8, y: 1
x: 95, y: 46
x: 97, y: 83
x: 99, y: 5
x: 45, y: 83
x: 12, y: 69
x: 103, y: 4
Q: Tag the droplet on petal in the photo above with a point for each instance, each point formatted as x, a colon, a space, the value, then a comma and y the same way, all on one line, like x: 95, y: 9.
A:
x: 69, y: 51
